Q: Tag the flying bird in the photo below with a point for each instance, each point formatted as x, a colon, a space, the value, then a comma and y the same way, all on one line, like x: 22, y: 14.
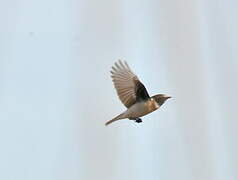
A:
x: 133, y: 94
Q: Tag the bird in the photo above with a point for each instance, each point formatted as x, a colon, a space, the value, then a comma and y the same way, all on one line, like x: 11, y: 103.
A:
x: 133, y: 94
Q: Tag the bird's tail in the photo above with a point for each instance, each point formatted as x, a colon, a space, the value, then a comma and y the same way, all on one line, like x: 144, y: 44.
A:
x: 119, y: 117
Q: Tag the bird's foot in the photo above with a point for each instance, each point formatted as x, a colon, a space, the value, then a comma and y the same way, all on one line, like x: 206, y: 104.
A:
x: 138, y: 120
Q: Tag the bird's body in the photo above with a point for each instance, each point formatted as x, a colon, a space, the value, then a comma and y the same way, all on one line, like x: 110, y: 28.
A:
x: 142, y: 108
x: 133, y: 94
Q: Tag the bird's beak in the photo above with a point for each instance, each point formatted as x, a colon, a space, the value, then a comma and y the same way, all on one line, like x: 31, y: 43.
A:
x: 168, y: 97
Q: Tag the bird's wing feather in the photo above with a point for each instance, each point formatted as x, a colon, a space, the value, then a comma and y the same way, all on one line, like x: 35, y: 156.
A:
x: 141, y: 92
x: 128, y: 86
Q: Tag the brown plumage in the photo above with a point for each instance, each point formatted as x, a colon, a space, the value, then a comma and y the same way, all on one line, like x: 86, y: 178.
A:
x: 133, y: 94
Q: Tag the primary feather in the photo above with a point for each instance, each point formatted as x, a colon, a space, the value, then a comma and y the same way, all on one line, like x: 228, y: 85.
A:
x: 124, y: 82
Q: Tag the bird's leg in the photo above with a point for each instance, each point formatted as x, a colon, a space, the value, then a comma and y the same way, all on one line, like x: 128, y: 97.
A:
x: 138, y: 120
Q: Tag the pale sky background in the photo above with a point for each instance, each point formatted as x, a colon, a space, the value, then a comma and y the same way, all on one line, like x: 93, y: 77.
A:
x: 56, y: 92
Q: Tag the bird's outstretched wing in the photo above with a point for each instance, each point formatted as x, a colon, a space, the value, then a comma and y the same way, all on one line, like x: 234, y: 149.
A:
x: 128, y: 86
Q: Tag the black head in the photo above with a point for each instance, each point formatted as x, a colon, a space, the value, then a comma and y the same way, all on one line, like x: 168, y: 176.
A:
x: 161, y: 98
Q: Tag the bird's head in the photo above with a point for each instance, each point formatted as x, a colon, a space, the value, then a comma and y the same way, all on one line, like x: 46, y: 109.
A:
x: 161, y: 98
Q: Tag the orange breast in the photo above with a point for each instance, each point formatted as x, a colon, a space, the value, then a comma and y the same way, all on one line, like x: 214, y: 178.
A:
x: 152, y: 105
